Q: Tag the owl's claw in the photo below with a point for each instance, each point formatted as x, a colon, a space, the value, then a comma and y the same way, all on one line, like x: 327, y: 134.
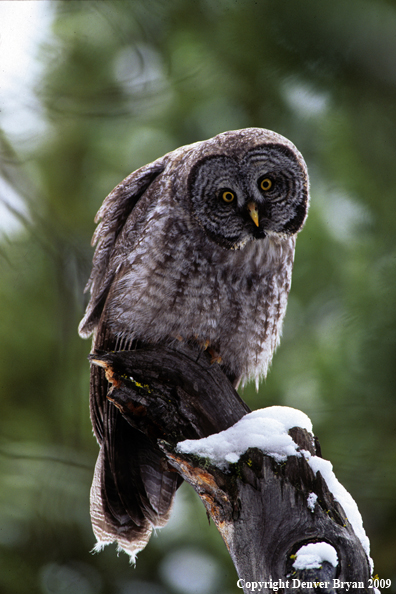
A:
x: 214, y: 357
x: 202, y: 343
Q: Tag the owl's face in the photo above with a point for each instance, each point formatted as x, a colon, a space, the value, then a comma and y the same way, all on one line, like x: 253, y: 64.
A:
x: 249, y: 195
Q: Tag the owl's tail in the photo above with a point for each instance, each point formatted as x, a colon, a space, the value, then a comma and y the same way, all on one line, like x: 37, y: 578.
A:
x: 131, y: 493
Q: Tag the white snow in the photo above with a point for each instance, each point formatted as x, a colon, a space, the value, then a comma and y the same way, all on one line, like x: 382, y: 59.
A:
x: 312, y: 555
x: 265, y: 429
x: 341, y: 495
x: 311, y: 501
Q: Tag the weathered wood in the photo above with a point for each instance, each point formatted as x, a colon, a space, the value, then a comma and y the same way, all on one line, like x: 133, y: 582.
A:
x: 260, y: 509
x: 171, y: 394
x: 258, y: 505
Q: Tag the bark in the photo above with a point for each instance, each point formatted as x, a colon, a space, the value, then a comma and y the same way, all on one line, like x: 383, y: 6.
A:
x: 258, y: 505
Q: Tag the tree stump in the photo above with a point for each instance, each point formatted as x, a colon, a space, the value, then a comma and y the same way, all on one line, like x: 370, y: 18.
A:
x: 258, y: 504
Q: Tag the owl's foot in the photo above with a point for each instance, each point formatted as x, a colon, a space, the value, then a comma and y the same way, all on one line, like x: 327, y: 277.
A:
x: 215, y: 357
x: 205, y: 346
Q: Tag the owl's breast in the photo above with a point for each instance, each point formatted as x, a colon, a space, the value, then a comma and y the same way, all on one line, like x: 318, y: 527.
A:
x: 186, y: 286
x: 252, y: 292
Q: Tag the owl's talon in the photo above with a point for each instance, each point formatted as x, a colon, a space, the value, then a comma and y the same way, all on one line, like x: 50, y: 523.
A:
x: 217, y: 360
x: 214, y: 357
x: 202, y: 343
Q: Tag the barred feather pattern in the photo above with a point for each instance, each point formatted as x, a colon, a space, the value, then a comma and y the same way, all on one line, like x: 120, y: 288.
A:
x: 174, y: 261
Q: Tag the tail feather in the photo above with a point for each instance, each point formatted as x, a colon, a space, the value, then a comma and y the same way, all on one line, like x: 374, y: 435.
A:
x: 160, y: 485
x: 131, y: 492
x: 112, y: 527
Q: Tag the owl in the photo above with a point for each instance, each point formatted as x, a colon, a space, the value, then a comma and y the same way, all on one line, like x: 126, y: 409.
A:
x: 196, y: 246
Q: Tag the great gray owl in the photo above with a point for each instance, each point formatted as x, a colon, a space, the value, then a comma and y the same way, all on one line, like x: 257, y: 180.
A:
x: 197, y: 245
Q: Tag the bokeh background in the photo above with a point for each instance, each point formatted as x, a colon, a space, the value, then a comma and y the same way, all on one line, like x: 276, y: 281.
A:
x: 92, y: 90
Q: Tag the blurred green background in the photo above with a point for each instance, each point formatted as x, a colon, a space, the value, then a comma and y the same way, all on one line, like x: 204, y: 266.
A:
x: 117, y: 84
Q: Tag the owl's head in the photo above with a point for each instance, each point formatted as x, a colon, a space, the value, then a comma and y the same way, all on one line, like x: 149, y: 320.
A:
x: 248, y: 184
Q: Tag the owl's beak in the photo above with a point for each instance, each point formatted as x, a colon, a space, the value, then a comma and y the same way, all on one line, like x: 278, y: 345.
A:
x: 252, y: 208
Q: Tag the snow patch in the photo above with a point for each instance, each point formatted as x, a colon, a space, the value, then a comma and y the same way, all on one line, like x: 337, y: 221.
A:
x: 311, y: 501
x: 341, y: 495
x: 265, y: 429
x: 312, y: 555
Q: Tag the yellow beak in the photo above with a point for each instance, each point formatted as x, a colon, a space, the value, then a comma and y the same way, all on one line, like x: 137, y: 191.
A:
x: 252, y: 208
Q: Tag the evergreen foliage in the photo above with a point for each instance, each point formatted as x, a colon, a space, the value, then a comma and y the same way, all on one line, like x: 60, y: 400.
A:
x: 124, y: 82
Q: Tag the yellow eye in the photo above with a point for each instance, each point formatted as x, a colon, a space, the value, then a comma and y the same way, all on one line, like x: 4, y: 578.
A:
x: 227, y: 195
x: 266, y: 184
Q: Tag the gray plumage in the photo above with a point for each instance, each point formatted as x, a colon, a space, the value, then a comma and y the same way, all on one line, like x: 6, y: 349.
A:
x: 198, y: 245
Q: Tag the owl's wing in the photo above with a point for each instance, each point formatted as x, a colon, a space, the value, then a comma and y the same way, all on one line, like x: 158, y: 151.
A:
x: 125, y: 202
x: 131, y: 492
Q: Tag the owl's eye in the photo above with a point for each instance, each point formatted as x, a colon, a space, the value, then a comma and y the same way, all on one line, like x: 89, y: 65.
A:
x: 265, y: 184
x: 227, y: 195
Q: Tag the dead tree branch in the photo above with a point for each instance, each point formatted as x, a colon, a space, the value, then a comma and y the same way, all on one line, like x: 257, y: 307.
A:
x: 258, y: 505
